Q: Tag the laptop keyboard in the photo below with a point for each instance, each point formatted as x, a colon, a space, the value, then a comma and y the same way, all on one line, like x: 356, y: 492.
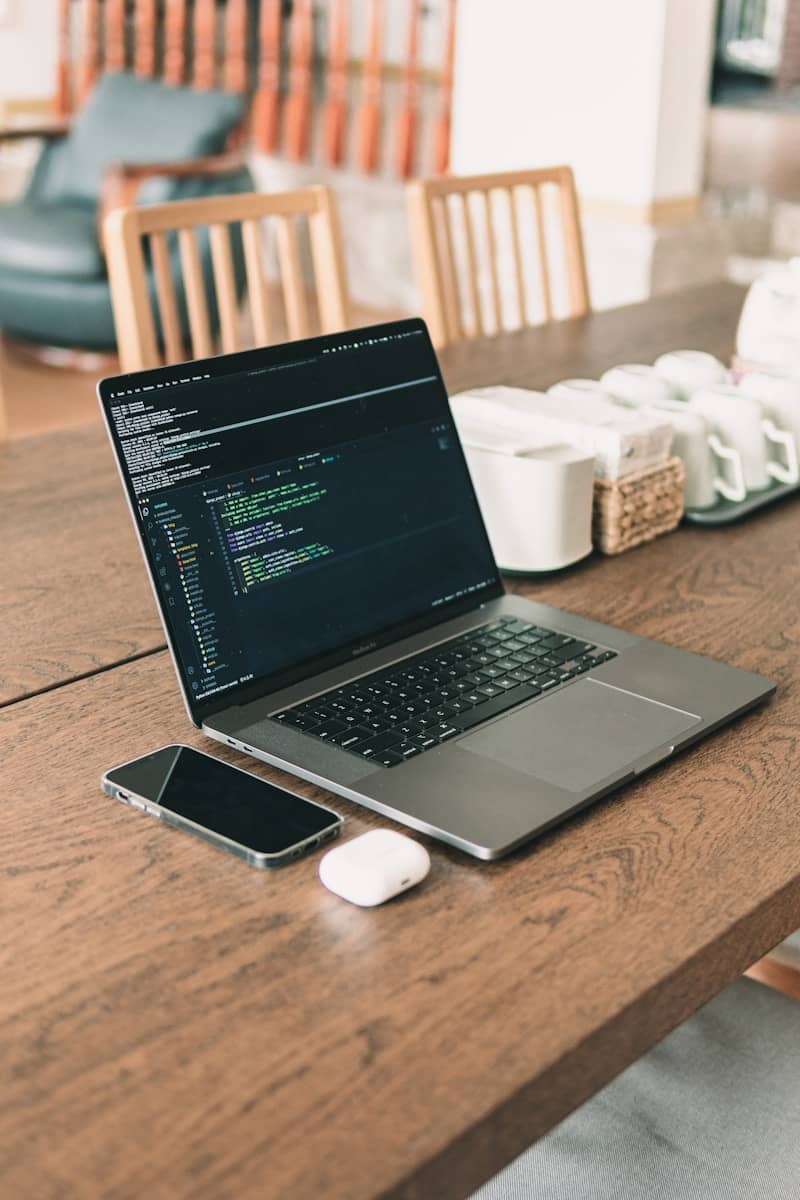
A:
x: 400, y: 711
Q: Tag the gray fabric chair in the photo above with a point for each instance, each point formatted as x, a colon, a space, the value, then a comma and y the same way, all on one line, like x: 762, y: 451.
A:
x: 53, y: 283
x: 711, y: 1113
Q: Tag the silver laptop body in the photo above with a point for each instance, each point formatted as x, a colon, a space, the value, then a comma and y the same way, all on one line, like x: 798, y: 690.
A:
x: 316, y: 551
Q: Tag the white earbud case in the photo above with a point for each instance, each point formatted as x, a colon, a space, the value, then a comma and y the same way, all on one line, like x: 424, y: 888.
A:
x: 372, y: 868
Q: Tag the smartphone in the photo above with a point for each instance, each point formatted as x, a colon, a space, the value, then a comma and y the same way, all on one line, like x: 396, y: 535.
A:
x: 265, y: 825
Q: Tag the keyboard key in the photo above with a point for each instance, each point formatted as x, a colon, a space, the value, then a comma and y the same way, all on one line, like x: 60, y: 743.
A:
x: 351, y: 737
x: 328, y: 728
x: 505, y: 665
x: 425, y: 741
x: 545, y: 682
x: 500, y: 704
x: 381, y: 741
x: 607, y: 655
x: 407, y: 749
x: 517, y: 626
x: 475, y: 698
x: 556, y: 640
x: 572, y: 649
x: 389, y: 758
x: 489, y: 673
x: 521, y: 675
x: 443, y: 732
x: 488, y: 690
x: 513, y: 644
x: 460, y: 705
x: 506, y: 683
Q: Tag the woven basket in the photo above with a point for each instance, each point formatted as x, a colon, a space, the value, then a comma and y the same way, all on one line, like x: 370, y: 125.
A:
x: 638, y: 508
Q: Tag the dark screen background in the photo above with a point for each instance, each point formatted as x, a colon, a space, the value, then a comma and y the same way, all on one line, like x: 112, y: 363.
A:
x: 299, y: 506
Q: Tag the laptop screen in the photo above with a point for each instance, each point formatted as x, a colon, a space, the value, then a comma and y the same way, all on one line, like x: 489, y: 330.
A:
x: 298, y: 505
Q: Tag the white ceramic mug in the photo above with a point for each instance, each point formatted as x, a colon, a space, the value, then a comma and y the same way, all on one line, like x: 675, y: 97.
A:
x: 705, y: 458
x: 740, y: 419
x: 779, y: 396
x: 688, y: 371
x: 580, y: 389
x: 636, y: 384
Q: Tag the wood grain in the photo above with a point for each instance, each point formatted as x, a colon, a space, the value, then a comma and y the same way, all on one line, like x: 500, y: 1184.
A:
x: 173, y: 1022
x: 286, y: 1044
x: 74, y: 597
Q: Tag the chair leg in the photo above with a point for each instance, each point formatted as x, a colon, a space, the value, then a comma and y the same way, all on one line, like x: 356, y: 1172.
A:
x: 777, y: 975
x: 3, y: 409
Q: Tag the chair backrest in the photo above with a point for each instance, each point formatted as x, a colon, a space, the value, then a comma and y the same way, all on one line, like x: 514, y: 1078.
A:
x: 465, y: 229
x: 142, y: 282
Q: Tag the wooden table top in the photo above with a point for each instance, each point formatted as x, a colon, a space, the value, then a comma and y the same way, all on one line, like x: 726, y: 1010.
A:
x: 65, y: 530
x: 74, y: 596
x: 176, y: 1022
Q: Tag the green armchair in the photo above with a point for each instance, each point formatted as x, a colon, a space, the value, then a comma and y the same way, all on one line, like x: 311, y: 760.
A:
x: 136, y: 140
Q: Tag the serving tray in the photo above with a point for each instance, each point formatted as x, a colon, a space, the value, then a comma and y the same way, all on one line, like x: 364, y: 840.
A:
x: 724, y: 512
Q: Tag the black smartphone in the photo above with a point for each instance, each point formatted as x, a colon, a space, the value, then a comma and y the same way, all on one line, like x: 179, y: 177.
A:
x: 259, y: 822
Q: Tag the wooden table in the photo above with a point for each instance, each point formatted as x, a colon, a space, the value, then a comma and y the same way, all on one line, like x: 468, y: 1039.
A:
x: 74, y: 596
x: 173, y: 1022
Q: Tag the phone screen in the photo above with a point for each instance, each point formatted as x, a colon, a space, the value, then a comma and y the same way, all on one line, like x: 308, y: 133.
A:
x: 229, y: 802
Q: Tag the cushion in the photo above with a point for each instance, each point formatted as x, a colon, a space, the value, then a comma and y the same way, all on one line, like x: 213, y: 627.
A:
x: 131, y: 120
x: 711, y: 1113
x: 54, y: 240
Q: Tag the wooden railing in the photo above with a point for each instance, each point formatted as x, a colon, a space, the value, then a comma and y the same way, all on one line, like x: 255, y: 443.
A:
x: 312, y: 98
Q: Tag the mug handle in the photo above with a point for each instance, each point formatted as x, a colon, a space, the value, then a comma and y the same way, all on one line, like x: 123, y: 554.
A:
x: 782, y: 437
x: 735, y: 490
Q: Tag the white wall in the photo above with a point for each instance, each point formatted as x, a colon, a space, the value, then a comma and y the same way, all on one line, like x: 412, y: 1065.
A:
x: 28, y: 48
x: 615, y: 87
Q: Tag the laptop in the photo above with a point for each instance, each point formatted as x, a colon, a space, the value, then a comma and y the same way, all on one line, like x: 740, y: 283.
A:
x: 333, y: 607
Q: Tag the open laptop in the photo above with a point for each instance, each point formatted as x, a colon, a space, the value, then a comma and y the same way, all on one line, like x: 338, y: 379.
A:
x: 333, y: 607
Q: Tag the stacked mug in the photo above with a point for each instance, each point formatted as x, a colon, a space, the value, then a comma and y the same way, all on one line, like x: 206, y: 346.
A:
x: 733, y: 440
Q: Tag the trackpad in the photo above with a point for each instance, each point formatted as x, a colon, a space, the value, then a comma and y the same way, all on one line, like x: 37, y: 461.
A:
x: 581, y: 735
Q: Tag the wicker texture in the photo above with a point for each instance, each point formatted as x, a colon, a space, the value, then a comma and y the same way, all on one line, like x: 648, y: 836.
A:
x: 638, y: 508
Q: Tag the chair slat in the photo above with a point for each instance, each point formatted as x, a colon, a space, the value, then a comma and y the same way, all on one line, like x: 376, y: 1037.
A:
x: 114, y: 35
x: 292, y: 278
x: 235, y: 72
x: 144, y: 54
x: 256, y: 286
x: 519, y: 275
x: 577, y: 283
x: 222, y: 263
x: 266, y: 102
x: 63, y: 96
x: 175, y: 42
x: 491, y: 246
x: 202, y: 345
x: 165, y: 294
x: 544, y: 270
x: 205, y: 25
x: 328, y: 256
x: 476, y: 329
x: 91, y: 47
x: 452, y: 301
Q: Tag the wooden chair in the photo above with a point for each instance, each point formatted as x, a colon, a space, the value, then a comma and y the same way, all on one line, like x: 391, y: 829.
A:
x: 184, y: 222
x: 465, y: 228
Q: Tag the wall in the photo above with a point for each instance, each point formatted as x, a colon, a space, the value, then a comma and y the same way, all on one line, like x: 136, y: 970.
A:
x: 617, y: 89
x: 28, y: 49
